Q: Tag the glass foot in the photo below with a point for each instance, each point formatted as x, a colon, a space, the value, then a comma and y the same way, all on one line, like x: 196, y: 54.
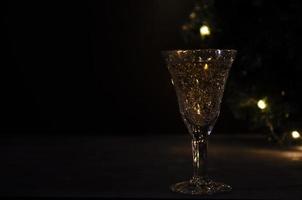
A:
x: 200, y: 187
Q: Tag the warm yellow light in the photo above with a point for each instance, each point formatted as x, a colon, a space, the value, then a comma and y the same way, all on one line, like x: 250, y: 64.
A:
x: 193, y: 15
x: 206, y: 66
x: 261, y: 104
x: 179, y: 52
x: 184, y: 27
x: 204, y: 30
x: 198, y: 109
x: 296, y: 134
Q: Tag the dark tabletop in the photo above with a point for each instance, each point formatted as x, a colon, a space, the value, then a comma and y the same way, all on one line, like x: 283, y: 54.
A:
x: 144, y: 166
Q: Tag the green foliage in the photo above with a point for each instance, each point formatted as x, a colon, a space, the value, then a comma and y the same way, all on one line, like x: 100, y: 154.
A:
x: 268, y: 62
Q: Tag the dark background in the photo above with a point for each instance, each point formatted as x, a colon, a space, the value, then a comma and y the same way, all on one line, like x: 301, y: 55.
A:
x: 95, y: 67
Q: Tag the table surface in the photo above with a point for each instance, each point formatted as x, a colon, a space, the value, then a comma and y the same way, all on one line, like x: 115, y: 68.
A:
x: 144, y: 166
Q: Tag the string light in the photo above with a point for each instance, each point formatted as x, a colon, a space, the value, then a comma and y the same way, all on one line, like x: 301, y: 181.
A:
x: 261, y: 104
x: 296, y: 134
x: 204, y: 30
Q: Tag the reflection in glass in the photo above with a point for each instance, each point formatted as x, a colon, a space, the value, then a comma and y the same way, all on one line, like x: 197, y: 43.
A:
x: 199, y: 78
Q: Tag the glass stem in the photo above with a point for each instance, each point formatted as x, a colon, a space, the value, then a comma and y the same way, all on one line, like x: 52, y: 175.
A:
x: 199, y: 150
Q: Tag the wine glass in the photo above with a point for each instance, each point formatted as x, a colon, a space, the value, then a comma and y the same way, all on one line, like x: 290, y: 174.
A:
x: 199, y: 78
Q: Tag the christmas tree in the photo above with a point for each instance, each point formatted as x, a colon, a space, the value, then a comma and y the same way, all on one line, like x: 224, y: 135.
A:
x: 264, y: 89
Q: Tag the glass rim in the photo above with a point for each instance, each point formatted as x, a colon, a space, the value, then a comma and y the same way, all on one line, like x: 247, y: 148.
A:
x: 197, y: 50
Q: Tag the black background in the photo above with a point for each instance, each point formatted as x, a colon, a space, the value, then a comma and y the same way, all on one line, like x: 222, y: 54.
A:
x: 95, y: 67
